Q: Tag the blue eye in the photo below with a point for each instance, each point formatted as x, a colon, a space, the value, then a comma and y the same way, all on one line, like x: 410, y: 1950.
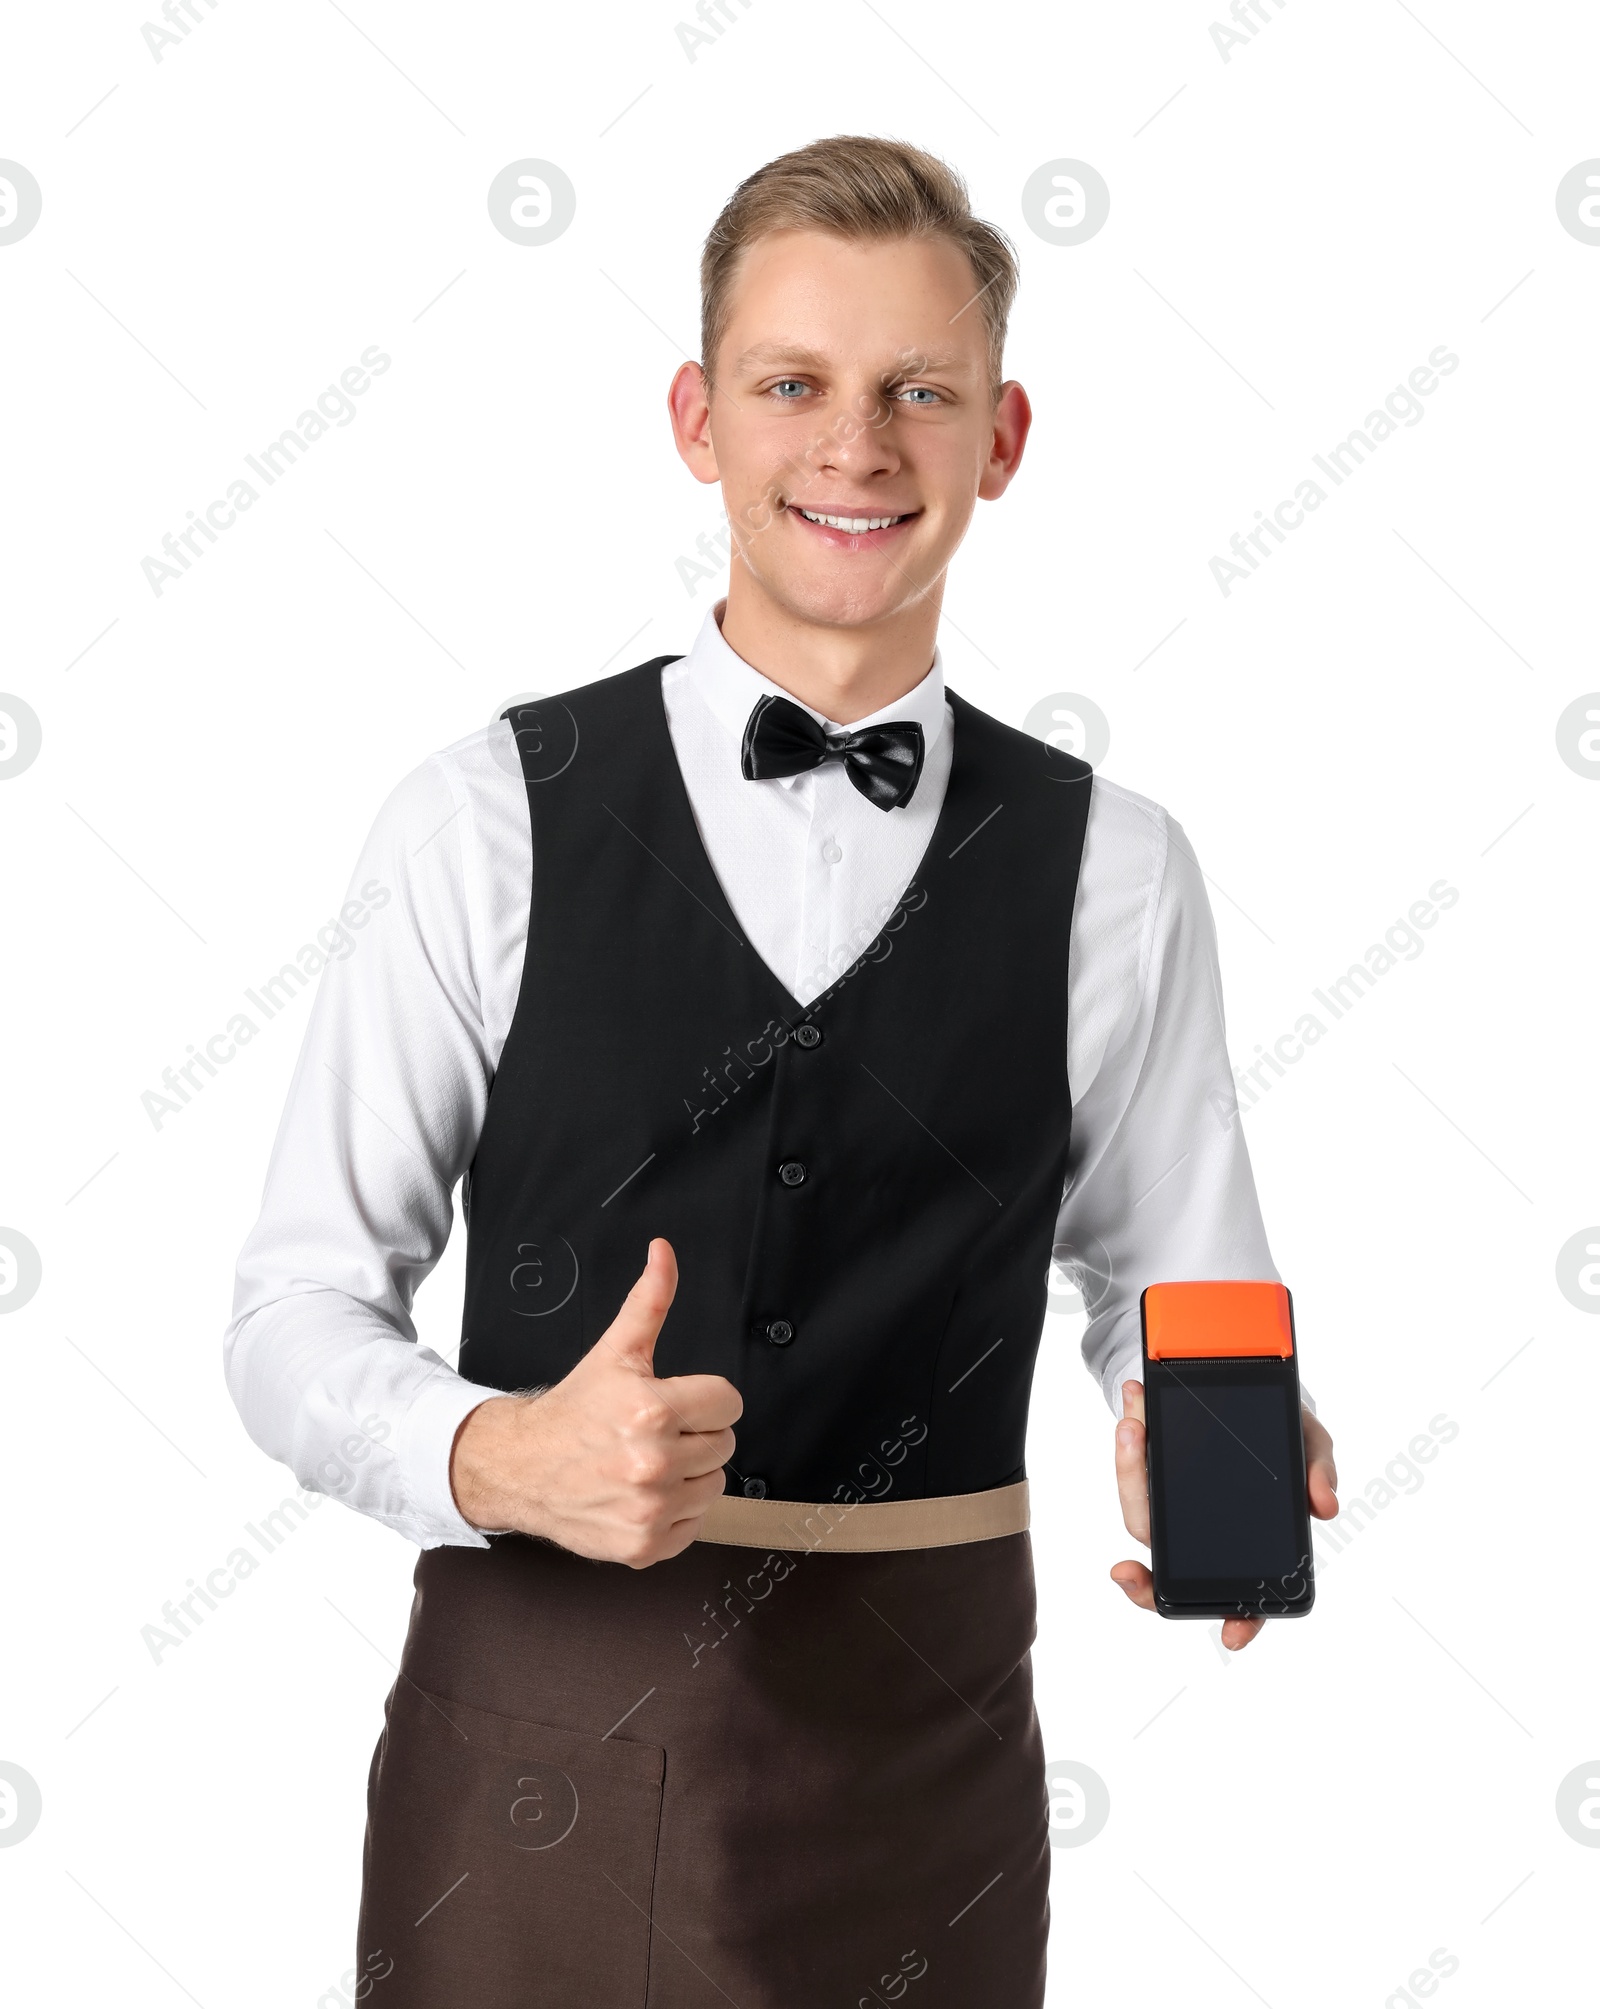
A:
x: 788, y: 383
x: 920, y: 391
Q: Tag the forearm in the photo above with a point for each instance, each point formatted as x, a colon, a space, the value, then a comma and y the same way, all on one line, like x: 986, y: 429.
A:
x: 324, y: 1384
x: 1161, y: 1186
x: 382, y: 1118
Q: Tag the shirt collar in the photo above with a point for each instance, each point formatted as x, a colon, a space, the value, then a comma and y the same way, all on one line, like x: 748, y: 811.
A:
x: 731, y: 687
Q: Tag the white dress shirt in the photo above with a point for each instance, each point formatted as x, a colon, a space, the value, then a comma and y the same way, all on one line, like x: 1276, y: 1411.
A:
x: 405, y: 1034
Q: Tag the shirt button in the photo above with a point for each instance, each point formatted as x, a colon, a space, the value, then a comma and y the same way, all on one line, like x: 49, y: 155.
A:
x: 831, y: 852
x: 807, y: 1035
x: 755, y: 1489
x: 792, y: 1172
x: 780, y: 1331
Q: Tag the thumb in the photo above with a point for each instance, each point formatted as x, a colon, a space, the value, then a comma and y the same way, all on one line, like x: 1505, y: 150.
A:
x: 633, y: 1333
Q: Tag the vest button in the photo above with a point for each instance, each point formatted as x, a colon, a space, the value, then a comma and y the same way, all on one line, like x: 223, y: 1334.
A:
x: 807, y: 1035
x: 755, y: 1489
x: 792, y: 1172
x: 780, y: 1331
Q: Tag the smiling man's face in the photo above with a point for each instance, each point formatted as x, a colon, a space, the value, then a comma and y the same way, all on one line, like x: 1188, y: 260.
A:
x: 852, y: 382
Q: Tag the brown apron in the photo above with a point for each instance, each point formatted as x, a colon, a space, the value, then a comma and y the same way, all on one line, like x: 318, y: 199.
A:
x: 773, y: 1779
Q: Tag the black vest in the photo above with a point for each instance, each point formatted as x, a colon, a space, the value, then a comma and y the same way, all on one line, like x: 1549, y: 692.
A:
x: 861, y: 1192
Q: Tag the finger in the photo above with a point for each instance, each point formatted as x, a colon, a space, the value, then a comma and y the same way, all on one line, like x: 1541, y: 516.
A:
x: 1322, y: 1477
x: 1133, y: 1400
x: 705, y: 1451
x: 1237, y: 1632
x: 680, y: 1536
x: 701, y: 1401
x: 686, y: 1527
x: 1132, y: 1484
x: 687, y: 1502
x: 1137, y: 1582
x: 632, y: 1334
x: 691, y: 1496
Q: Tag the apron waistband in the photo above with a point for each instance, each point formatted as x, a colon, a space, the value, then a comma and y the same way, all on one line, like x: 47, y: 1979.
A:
x: 867, y: 1525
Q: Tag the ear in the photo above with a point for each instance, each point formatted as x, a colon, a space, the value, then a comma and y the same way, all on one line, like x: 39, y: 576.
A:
x: 690, y: 410
x: 1013, y: 416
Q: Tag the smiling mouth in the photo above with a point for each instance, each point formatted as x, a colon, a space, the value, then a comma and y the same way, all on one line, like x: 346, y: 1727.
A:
x: 852, y: 524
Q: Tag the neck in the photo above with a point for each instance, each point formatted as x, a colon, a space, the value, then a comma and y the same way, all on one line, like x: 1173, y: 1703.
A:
x: 846, y: 673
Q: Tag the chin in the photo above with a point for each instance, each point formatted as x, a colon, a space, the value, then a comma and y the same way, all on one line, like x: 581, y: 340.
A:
x: 836, y: 602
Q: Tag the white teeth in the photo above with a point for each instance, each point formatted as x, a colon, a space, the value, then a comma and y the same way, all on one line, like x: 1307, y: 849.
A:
x: 852, y: 523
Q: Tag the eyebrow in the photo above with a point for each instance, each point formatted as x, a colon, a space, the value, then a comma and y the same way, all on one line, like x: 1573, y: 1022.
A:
x: 808, y: 359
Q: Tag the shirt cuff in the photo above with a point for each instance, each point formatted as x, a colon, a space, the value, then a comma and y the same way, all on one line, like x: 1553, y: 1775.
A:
x: 424, y: 1440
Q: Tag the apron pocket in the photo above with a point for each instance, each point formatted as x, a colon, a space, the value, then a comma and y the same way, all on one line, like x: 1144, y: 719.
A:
x: 507, y: 1864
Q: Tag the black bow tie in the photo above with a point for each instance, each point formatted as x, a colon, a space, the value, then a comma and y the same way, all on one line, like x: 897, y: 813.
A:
x: 883, y: 761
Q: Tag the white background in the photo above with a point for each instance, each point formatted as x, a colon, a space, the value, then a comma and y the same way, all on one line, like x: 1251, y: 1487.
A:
x: 1292, y: 231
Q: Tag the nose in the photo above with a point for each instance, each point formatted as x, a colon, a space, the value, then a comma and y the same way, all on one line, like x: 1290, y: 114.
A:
x: 857, y: 438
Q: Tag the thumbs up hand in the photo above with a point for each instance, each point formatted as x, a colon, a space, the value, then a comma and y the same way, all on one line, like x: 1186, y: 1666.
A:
x: 611, y: 1463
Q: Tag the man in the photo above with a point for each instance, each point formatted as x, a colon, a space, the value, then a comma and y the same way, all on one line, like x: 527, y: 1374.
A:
x: 844, y: 1006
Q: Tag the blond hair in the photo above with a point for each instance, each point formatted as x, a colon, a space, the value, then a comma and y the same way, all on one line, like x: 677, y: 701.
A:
x: 868, y: 190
